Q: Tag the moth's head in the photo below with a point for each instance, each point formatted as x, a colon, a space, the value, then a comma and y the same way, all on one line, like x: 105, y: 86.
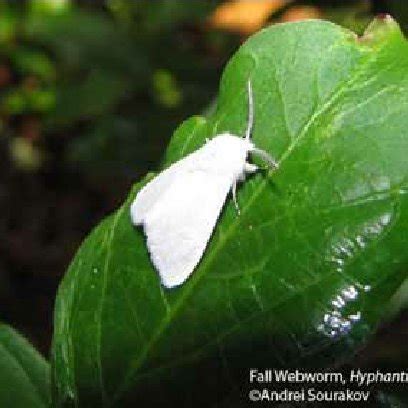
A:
x: 228, y: 153
x: 231, y: 145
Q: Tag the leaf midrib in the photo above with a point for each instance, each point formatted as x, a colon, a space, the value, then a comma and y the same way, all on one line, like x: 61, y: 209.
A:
x: 211, y: 256
x: 278, y: 304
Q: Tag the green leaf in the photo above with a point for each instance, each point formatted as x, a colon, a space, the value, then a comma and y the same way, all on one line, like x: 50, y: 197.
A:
x: 399, y: 302
x: 301, y: 277
x: 80, y: 40
x: 30, y: 62
x: 24, y: 374
x: 96, y: 95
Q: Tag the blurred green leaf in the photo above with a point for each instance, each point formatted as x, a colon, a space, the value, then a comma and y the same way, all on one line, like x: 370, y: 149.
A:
x: 98, y: 64
x: 355, y: 16
x: 49, y: 6
x: 14, y: 102
x: 301, y: 277
x: 8, y: 24
x: 28, y: 61
x: 80, y: 67
x: 166, y: 89
x: 162, y: 15
x: 112, y: 145
x: 98, y: 93
x: 42, y: 100
x: 18, y: 101
x: 81, y: 40
x: 24, y: 374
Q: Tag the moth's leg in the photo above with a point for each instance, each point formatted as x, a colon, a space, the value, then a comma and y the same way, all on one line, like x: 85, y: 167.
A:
x: 251, y: 168
x: 234, y: 196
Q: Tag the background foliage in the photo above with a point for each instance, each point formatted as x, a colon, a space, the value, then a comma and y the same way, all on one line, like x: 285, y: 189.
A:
x: 90, y: 92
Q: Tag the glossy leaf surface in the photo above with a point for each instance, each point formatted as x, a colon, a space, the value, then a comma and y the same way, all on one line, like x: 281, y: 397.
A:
x: 301, y: 277
x: 24, y: 374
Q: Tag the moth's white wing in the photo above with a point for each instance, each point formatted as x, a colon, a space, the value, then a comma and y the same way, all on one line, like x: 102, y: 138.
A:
x: 179, y: 225
x: 152, y: 191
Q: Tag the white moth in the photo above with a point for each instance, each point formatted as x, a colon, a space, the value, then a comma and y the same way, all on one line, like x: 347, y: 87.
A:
x: 180, y: 206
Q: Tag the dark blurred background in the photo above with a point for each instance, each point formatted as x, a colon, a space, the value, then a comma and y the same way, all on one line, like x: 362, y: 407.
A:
x: 90, y: 93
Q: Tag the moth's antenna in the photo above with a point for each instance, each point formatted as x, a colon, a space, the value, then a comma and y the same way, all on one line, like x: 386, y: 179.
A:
x: 265, y: 157
x: 250, y: 111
